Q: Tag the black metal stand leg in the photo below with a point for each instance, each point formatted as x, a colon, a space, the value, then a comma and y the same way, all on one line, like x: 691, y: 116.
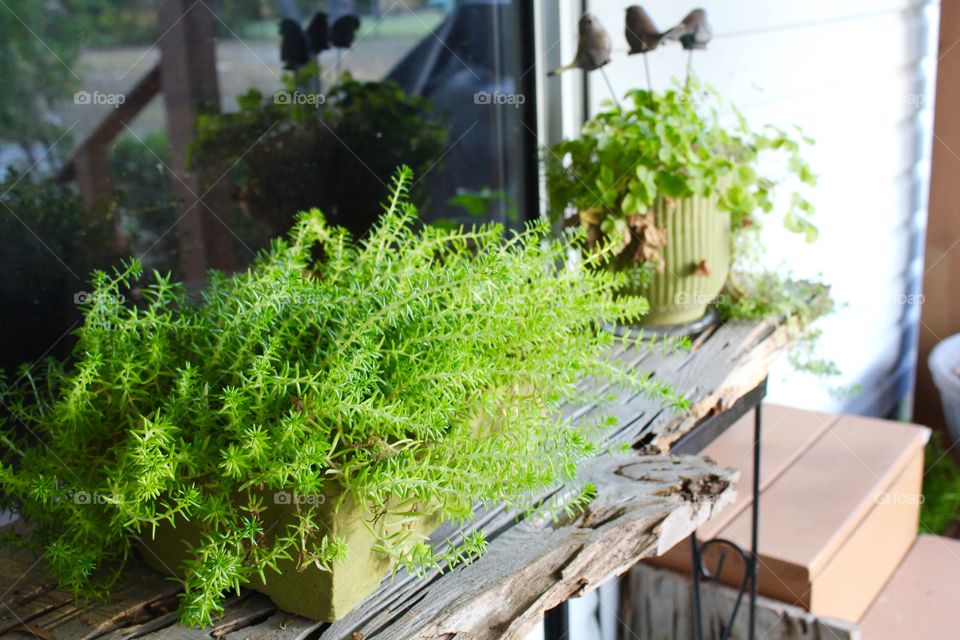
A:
x: 695, y: 585
x: 755, y: 521
x: 556, y: 622
x: 751, y: 560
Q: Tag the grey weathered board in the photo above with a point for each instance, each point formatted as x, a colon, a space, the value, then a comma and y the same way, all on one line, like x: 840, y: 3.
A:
x: 660, y: 602
x: 646, y: 501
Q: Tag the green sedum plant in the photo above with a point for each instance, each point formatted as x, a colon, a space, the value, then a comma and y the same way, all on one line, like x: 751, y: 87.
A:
x: 418, y: 371
x: 941, y: 488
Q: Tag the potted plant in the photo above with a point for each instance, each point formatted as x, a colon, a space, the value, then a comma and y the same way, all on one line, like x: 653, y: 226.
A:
x: 335, y: 151
x: 303, y: 427
x: 665, y: 181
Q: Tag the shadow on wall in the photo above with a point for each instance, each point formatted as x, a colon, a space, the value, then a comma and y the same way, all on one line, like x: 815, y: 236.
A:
x: 471, y: 72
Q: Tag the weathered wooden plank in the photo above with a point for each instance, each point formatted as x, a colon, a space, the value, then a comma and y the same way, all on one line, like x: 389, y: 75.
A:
x: 643, y: 503
x: 250, y: 609
x: 280, y: 626
x: 143, y: 606
x: 627, y: 358
x: 707, y: 375
x: 659, y: 607
x: 720, y: 368
x: 723, y: 364
x: 141, y: 596
x: 26, y: 591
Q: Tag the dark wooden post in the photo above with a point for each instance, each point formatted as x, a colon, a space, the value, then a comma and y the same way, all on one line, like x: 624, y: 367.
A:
x: 92, y: 171
x: 187, y: 32
x: 940, y: 313
x: 89, y: 163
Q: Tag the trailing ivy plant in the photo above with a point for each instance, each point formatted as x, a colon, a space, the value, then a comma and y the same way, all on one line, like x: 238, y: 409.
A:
x: 418, y: 366
x: 670, y: 145
x: 676, y: 144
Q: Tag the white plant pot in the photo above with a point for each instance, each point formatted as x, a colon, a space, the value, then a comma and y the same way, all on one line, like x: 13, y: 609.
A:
x: 944, y: 361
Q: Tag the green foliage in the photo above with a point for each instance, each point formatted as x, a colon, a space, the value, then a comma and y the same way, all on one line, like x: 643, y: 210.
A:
x: 337, y: 156
x: 941, y: 488
x: 800, y: 303
x: 486, y: 202
x: 670, y: 145
x: 104, y: 23
x: 480, y: 203
x: 144, y: 198
x: 48, y: 237
x: 235, y: 16
x: 138, y: 162
x: 107, y: 23
x: 35, y: 64
x: 567, y: 506
x: 674, y: 145
x: 412, y: 371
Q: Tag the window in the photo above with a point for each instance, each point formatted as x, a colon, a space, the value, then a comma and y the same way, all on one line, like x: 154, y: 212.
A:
x: 112, y: 144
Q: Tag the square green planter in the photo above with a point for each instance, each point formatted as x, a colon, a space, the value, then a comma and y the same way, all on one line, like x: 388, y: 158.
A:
x: 316, y: 594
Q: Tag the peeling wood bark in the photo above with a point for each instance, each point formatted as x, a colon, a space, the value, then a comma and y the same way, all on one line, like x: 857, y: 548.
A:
x: 535, y: 566
x: 644, y: 502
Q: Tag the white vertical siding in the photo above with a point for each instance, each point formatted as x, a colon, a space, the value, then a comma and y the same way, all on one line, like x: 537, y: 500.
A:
x: 857, y: 76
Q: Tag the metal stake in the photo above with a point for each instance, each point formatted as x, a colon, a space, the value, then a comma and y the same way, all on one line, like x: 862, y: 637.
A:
x: 610, y: 86
x: 646, y: 66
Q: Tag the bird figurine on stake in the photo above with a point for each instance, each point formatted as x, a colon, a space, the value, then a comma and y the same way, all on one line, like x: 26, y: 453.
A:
x: 299, y: 46
x: 294, y: 51
x: 642, y: 36
x: 318, y: 33
x: 342, y: 33
x: 593, y: 50
x: 693, y: 32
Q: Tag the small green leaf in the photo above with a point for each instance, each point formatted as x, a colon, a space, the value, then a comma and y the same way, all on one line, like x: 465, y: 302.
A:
x: 672, y: 185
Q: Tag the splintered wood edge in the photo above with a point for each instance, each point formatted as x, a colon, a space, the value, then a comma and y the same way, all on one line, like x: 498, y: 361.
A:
x: 734, y: 361
x: 644, y: 504
x: 744, y: 351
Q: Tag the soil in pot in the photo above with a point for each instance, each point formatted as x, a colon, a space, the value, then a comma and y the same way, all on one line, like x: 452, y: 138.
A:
x: 311, y: 592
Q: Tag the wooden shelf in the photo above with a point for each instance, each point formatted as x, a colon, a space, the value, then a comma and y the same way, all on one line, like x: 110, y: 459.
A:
x: 647, y: 501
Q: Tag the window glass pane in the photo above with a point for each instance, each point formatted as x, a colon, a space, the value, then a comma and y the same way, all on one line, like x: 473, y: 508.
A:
x: 187, y: 134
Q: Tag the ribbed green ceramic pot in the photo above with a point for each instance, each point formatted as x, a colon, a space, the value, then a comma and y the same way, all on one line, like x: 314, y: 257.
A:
x: 697, y: 260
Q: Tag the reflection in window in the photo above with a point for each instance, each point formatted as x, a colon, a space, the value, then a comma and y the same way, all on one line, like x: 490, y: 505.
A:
x: 92, y: 173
